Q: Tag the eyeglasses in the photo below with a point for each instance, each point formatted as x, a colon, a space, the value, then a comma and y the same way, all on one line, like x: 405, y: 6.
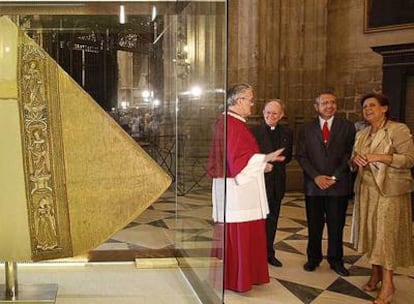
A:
x: 327, y: 102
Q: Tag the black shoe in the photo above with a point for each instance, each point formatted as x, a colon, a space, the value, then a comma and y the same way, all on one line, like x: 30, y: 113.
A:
x: 275, y: 262
x: 310, y: 266
x: 340, y: 269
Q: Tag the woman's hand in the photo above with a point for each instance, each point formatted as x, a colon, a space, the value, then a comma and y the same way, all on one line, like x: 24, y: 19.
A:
x: 360, y: 160
x: 381, y: 158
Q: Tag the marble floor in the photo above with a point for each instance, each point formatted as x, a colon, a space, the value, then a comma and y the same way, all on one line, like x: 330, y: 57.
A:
x: 138, y: 264
x: 82, y: 282
x: 158, y: 230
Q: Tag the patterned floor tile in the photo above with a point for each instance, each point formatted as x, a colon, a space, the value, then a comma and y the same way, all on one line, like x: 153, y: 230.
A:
x: 305, y: 293
x: 359, y: 271
x: 160, y: 230
x: 344, y: 287
x: 159, y: 223
x: 292, y: 230
x: 329, y: 297
x: 147, y: 236
x: 283, y: 246
x: 351, y: 259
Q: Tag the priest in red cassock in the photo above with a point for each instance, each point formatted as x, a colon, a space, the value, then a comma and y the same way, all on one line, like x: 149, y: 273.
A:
x: 239, y: 195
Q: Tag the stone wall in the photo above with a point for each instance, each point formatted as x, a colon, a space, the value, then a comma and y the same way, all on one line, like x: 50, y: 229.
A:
x: 288, y: 49
x: 294, y: 49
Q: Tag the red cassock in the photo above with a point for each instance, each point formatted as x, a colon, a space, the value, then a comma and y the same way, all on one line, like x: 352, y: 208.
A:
x: 245, y: 258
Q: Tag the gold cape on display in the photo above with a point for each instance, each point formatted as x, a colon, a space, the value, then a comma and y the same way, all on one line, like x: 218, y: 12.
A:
x: 70, y: 176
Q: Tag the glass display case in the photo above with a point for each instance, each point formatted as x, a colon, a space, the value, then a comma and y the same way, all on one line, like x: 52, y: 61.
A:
x: 158, y: 68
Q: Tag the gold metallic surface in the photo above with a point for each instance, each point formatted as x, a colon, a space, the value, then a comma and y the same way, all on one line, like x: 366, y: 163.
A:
x: 84, y: 177
x: 8, y: 59
x: 41, y: 126
x: 110, y: 179
x: 14, y: 229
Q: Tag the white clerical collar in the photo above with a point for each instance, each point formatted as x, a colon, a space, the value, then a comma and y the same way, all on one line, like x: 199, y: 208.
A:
x: 235, y: 115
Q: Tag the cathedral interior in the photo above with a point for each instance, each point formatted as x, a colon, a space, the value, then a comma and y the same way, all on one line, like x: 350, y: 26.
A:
x: 158, y: 71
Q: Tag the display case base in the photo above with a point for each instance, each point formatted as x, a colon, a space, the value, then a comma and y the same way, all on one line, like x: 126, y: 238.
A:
x: 31, y: 294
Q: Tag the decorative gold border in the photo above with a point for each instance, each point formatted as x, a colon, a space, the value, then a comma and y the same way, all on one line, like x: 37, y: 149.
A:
x: 367, y: 5
x: 42, y: 152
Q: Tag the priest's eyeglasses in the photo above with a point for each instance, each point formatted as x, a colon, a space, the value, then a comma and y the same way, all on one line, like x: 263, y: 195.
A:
x: 250, y: 100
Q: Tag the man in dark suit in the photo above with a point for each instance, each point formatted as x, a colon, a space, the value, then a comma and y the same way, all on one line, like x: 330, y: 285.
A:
x: 323, y: 150
x: 272, y: 136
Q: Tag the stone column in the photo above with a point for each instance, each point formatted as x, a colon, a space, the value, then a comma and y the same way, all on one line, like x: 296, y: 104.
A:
x: 243, y: 41
x: 280, y: 48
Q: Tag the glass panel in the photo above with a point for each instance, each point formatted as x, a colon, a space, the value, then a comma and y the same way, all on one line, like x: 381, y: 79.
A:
x: 200, y: 64
x: 159, y: 71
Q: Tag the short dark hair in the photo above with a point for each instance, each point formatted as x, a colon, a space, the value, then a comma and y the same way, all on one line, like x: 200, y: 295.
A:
x: 381, y: 98
x: 327, y: 91
x: 235, y: 90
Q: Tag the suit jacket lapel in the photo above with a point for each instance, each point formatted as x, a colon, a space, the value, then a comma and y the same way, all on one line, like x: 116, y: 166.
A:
x: 378, y: 139
x: 318, y: 131
x: 380, y: 144
x: 362, y: 138
x: 333, y: 132
x: 377, y: 169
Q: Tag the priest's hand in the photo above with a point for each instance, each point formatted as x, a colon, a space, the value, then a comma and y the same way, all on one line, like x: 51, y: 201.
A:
x: 268, y: 168
x: 275, y: 156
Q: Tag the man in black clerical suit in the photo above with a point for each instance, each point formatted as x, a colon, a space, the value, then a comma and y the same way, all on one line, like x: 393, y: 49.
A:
x: 323, y: 149
x: 272, y: 136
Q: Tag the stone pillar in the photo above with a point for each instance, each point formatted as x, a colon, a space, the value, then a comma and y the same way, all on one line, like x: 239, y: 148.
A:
x: 303, y: 52
x: 280, y: 48
x: 243, y: 41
